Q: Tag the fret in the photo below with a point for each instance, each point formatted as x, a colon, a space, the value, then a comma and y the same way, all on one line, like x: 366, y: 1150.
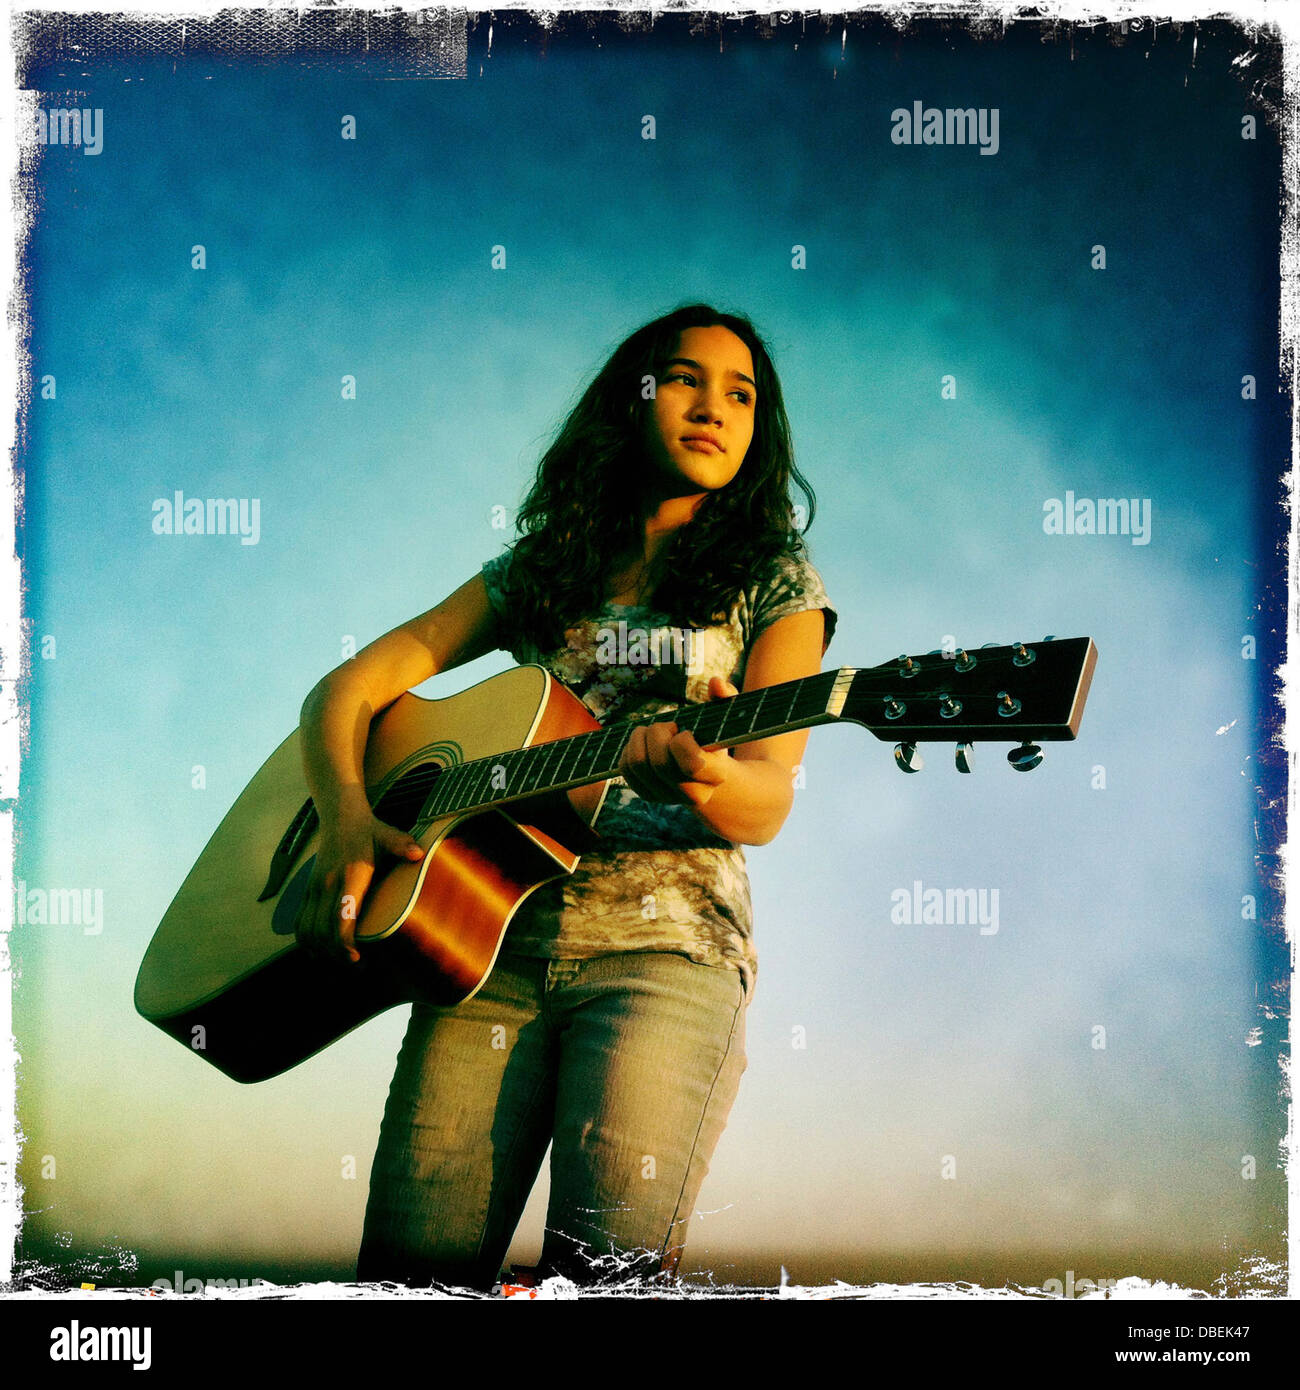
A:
x: 758, y: 708
x: 448, y: 790
x: 541, y: 775
x: 507, y: 782
x: 550, y: 756
x: 479, y: 772
x: 459, y: 782
x: 694, y: 718
x: 611, y: 756
x: 795, y: 696
x: 499, y: 783
x: 437, y: 793
x: 590, y: 760
x: 550, y: 759
x: 586, y: 755
x: 567, y: 758
x: 703, y: 719
x: 581, y: 758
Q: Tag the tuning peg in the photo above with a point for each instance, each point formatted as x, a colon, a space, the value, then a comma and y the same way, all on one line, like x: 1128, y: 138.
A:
x: 894, y: 709
x: 1008, y: 705
x: 965, y: 757
x: 907, y: 758
x: 964, y: 662
x: 907, y: 668
x: 949, y: 708
x: 1023, y: 655
x: 1026, y: 757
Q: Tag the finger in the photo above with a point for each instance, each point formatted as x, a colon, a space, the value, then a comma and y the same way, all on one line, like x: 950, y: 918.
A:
x: 719, y: 689
x: 307, y: 926
x: 320, y: 936
x: 632, y: 756
x: 663, y: 764
x: 694, y: 762
x: 399, y: 843
x: 686, y: 755
x: 328, y: 944
x: 685, y: 774
x: 648, y: 761
x: 320, y: 921
x: 356, y: 883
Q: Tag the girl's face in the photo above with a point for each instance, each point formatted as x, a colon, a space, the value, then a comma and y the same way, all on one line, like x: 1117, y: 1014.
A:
x: 702, y: 418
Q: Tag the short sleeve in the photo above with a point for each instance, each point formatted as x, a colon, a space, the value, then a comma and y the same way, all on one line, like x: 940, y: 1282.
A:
x: 496, y: 574
x: 792, y: 586
x: 494, y: 578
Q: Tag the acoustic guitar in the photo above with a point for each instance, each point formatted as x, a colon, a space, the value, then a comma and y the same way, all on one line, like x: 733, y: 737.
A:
x: 501, y: 785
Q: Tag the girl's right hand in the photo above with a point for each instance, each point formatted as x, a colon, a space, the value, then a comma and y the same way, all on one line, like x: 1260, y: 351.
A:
x: 349, y: 845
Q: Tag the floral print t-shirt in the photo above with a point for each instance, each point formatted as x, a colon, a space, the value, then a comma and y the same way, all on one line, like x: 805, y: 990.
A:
x: 659, y: 879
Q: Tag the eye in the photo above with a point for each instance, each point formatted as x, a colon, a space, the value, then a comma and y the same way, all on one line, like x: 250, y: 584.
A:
x: 689, y: 378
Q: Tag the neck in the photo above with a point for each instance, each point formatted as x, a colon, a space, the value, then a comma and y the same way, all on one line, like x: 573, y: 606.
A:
x: 664, y: 517
x: 670, y: 514
x: 662, y: 514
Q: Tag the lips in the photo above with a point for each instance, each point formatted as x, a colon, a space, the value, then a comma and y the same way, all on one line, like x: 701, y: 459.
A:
x: 703, y: 441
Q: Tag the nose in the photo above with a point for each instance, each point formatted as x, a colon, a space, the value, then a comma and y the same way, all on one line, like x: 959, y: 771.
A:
x: 706, y: 406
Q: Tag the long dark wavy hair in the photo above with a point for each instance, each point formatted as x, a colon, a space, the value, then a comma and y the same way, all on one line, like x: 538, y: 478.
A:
x: 584, y: 514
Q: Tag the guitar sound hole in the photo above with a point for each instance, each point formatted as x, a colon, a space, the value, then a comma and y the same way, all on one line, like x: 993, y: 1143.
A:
x: 402, y: 803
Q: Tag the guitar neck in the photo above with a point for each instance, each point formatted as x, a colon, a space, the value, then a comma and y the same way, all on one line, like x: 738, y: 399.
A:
x: 1015, y: 692
x: 595, y: 756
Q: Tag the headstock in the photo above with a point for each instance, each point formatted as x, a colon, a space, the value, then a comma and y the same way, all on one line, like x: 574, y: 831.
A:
x: 1021, y: 693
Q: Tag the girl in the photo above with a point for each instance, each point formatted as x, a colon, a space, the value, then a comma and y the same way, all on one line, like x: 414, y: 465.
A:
x: 659, y: 562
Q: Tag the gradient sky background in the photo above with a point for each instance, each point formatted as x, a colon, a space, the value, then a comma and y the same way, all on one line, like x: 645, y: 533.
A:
x: 1119, y: 906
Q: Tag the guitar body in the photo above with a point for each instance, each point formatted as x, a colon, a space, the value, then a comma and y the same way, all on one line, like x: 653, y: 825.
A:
x: 224, y: 974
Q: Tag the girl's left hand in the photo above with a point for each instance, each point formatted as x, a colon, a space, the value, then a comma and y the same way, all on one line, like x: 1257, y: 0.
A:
x: 664, y: 763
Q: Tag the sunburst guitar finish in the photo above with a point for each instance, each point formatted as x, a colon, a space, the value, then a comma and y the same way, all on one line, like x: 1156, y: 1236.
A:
x: 224, y: 974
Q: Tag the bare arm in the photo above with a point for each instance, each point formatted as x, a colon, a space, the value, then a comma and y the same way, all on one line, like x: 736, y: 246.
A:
x: 744, y: 795
x: 336, y: 715
x: 334, y: 727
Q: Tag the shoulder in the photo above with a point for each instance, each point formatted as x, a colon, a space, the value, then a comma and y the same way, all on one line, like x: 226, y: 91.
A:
x: 501, y: 580
x: 495, y: 572
x: 503, y: 597
x: 789, y: 583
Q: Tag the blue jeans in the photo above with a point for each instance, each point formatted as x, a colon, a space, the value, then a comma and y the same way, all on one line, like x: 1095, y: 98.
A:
x: 627, y: 1064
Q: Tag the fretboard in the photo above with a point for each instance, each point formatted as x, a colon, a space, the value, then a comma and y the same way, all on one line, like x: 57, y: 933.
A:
x: 596, y: 755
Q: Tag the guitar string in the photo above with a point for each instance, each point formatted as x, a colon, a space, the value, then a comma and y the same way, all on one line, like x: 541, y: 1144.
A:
x: 490, y: 780
x: 484, y: 782
x: 487, y: 781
